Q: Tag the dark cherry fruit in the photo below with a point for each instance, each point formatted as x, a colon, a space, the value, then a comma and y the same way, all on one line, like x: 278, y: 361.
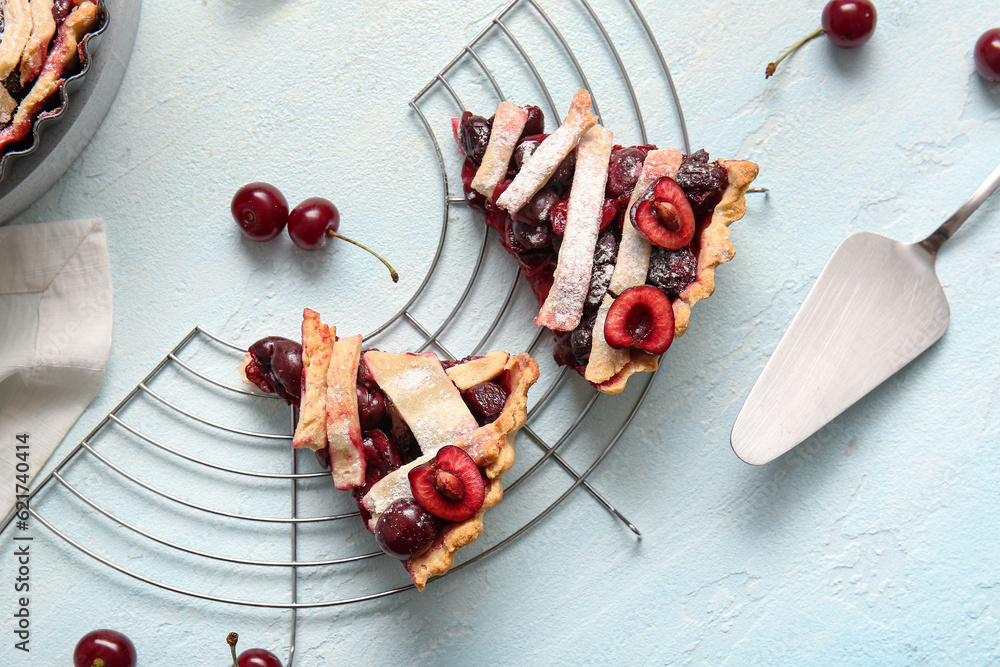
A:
x: 365, y: 376
x: 315, y: 220
x: 449, y: 486
x: 486, y: 401
x: 401, y: 435
x: 257, y: 657
x: 609, y: 212
x: 524, y: 150
x: 323, y: 457
x: 491, y: 203
x: 371, y: 407
x: 538, y: 211
x: 276, y: 367
x: 664, y: 216
x: 847, y: 23
x: 474, y: 135
x: 528, y: 237
x: 641, y: 317
x: 539, y: 270
x: 535, y: 124
x: 702, y: 181
x: 606, y: 249
x: 558, y: 216
x: 605, y: 256
x: 624, y: 169
x: 986, y: 55
x: 405, y: 529
x: 562, y: 177
x: 472, y: 198
x: 600, y: 279
x: 260, y: 210
x: 109, y: 646
x: 671, y: 271
x: 381, y: 458
x: 581, y: 339
x: 562, y: 350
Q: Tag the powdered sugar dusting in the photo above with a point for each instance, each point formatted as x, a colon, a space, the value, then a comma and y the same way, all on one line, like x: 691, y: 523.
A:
x: 507, y: 127
x: 563, y: 306
x: 545, y: 160
x: 426, y: 398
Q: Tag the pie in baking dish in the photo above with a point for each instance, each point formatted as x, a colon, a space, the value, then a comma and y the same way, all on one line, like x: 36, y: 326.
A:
x: 421, y: 443
x: 617, y: 242
x: 40, y: 46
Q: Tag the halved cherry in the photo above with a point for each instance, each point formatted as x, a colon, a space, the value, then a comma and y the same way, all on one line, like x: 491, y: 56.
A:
x: 643, y: 317
x: 664, y: 216
x: 449, y: 486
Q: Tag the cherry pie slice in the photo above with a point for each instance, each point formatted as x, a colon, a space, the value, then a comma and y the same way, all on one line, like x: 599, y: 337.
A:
x: 593, y: 225
x: 421, y: 443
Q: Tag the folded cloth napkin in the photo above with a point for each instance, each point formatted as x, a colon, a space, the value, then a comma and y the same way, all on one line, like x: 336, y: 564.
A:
x: 55, y: 336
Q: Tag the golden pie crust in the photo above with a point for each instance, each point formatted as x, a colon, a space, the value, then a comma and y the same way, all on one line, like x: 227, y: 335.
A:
x: 492, y: 448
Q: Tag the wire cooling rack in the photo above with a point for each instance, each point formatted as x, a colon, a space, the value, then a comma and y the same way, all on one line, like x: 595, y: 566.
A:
x: 278, y: 499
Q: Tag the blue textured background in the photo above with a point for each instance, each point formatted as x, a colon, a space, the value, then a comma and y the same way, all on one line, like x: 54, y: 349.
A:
x: 873, y: 542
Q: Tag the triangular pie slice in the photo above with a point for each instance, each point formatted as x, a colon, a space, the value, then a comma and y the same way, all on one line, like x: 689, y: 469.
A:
x: 593, y: 226
x: 435, y: 436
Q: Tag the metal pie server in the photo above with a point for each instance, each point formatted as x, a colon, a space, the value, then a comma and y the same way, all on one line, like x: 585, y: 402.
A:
x: 875, y: 307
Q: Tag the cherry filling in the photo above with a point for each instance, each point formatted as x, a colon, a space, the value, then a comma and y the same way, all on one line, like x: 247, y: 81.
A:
x: 381, y: 458
x: 672, y: 270
x: 485, y: 401
x: 624, y: 169
x: 275, y: 366
x: 474, y: 135
x: 372, y: 409
x: 535, y: 124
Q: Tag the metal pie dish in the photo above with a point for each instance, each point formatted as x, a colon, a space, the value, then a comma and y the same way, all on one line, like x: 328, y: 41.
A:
x: 58, y: 103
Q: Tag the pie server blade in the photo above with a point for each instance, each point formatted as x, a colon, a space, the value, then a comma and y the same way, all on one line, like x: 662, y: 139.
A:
x: 876, y: 306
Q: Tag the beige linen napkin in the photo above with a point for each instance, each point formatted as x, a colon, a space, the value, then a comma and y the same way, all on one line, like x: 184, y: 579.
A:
x: 55, y: 336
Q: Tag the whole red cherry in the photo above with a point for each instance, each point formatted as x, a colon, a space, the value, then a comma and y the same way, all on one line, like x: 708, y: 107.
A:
x: 258, y: 657
x: 315, y: 220
x: 311, y: 221
x: 110, y: 646
x: 986, y: 55
x: 260, y: 210
x: 847, y: 23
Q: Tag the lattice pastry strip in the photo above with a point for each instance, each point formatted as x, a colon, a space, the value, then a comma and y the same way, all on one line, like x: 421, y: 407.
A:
x: 564, y: 305
x: 537, y: 169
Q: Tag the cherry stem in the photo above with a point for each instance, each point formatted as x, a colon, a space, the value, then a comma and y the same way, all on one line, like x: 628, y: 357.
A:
x: 98, y: 662
x: 771, y: 67
x: 392, y: 271
x: 231, y: 639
